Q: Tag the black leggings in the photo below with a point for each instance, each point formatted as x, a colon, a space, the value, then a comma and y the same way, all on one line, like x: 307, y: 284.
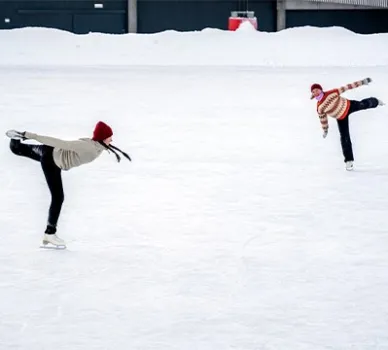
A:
x: 44, y: 155
x: 343, y: 124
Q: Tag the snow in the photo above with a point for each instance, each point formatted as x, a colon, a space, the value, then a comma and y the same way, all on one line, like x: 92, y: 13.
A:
x: 234, y: 227
x: 295, y: 47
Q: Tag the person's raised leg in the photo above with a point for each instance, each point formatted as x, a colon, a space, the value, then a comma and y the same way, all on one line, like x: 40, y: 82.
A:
x: 30, y: 151
x: 366, y: 103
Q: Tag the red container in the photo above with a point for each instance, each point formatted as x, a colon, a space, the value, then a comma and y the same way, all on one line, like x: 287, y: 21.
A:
x: 235, y: 20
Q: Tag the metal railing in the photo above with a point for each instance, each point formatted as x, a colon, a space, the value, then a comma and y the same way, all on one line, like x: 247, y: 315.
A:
x: 370, y: 3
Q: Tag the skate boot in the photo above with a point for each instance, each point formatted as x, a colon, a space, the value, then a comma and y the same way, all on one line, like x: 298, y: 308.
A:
x: 381, y: 103
x: 51, y: 240
x: 16, y: 135
x: 349, y: 165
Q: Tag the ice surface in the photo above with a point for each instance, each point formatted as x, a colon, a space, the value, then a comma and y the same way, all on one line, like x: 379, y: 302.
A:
x: 235, y: 226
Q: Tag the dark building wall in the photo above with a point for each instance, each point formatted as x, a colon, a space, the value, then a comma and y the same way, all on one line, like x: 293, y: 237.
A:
x: 359, y: 21
x: 153, y: 15
x: 159, y: 15
x: 74, y: 16
x: 80, y: 16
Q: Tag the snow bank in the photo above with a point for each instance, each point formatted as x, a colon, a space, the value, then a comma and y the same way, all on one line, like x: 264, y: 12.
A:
x: 303, y: 46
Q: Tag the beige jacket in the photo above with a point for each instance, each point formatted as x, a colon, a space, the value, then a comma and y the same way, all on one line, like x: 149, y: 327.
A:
x: 70, y: 154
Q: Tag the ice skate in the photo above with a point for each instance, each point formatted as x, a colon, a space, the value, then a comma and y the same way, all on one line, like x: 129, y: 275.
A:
x: 349, y: 165
x: 15, y: 135
x: 381, y: 103
x: 53, y: 241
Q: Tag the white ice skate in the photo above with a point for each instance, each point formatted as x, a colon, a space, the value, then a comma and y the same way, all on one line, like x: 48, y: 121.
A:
x: 381, y: 103
x: 15, y: 135
x: 53, y: 241
x: 349, y: 165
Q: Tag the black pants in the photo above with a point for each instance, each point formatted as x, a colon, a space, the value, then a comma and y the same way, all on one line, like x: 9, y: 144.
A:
x: 343, y: 125
x: 44, y: 155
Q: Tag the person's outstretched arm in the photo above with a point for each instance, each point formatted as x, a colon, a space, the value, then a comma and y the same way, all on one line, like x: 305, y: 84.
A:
x: 76, y: 145
x: 354, y: 85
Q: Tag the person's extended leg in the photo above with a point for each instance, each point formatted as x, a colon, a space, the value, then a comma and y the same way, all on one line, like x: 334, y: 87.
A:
x: 30, y: 151
x: 366, y: 103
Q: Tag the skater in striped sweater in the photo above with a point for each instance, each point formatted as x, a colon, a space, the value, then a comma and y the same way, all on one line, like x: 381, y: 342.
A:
x: 56, y: 155
x: 331, y: 103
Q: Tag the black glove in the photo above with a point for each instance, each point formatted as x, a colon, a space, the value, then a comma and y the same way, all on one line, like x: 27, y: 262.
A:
x: 366, y: 81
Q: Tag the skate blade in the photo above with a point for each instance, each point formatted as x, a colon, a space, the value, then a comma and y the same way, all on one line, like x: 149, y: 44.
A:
x: 52, y: 246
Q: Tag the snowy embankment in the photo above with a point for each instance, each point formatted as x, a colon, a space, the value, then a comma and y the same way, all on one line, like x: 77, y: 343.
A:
x: 303, y: 47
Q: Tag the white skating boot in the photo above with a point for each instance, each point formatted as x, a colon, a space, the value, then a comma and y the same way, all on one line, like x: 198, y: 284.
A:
x: 50, y: 238
x: 381, y: 103
x: 16, y: 135
x: 54, y: 240
x: 349, y: 165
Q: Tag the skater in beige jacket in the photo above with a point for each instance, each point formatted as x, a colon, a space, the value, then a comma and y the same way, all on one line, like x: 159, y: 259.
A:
x: 56, y: 155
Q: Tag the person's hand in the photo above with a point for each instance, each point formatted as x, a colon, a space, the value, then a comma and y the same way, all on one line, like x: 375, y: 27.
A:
x: 366, y: 81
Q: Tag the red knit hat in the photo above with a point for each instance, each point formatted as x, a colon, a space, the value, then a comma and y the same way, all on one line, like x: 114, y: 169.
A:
x: 101, y: 132
x: 316, y: 86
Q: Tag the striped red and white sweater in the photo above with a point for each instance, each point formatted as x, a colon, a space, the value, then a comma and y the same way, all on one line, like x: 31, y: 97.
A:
x: 334, y: 105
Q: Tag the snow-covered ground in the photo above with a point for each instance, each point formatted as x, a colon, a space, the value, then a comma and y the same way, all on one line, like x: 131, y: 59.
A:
x: 302, y: 47
x: 234, y: 227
